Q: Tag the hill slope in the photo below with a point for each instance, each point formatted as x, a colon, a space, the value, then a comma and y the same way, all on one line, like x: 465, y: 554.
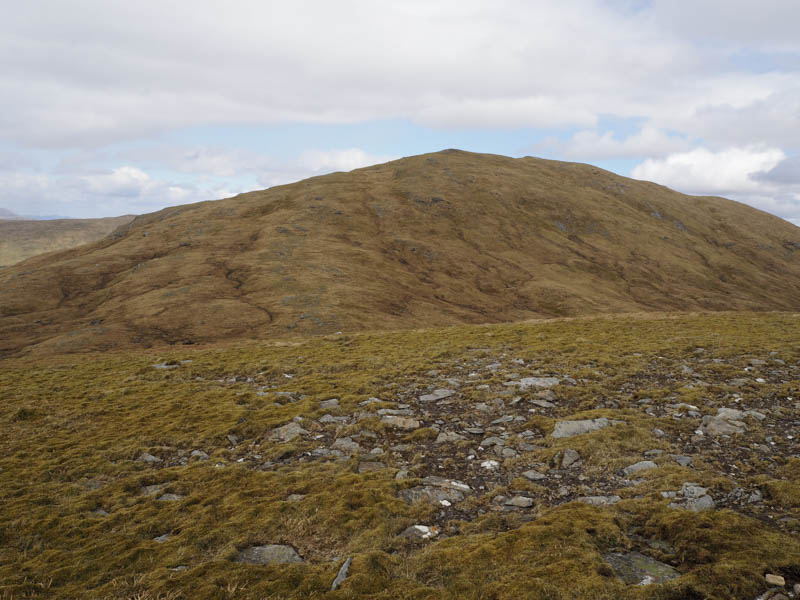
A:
x: 437, y: 239
x: 21, y: 238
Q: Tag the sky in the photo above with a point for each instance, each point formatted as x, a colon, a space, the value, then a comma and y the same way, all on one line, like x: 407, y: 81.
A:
x: 111, y: 107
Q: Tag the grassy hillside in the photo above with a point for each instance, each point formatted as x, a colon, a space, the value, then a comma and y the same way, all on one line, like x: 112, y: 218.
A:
x: 430, y: 240
x: 21, y: 239
x: 85, y: 438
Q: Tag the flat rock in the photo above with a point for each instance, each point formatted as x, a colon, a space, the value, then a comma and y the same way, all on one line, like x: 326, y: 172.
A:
x: 772, y: 579
x: 342, y: 574
x: 199, y: 455
x: 437, y: 395
x: 420, y: 532
x: 569, y: 457
x: 642, y: 465
x: 148, y: 458
x: 683, y: 461
x: 328, y: 404
x: 599, y: 500
x: 346, y: 444
x: 288, y: 432
x: 635, y: 568
x: 446, y: 437
x: 404, y: 423
x: 430, y: 494
x: 520, y: 502
x: 325, y: 419
x: 269, y: 554
x: 538, y: 382
x: 565, y: 429
x: 728, y: 421
x: 534, y: 475
x: 170, y: 498
x: 152, y: 490
x: 450, y: 484
x: 370, y: 466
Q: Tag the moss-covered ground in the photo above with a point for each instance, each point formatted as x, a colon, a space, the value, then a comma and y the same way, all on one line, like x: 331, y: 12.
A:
x: 77, y: 519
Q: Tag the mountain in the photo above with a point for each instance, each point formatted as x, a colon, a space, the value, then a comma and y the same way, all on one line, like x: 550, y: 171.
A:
x: 21, y: 238
x: 6, y: 214
x: 436, y: 239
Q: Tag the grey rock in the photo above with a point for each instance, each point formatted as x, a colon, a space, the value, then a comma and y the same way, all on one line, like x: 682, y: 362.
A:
x: 643, y: 465
x: 402, y: 412
x: 534, y: 475
x: 520, y: 502
x: 342, y: 574
x: 346, y: 444
x: 450, y: 484
x: 325, y: 419
x: 152, y: 490
x: 404, y: 423
x: 542, y: 403
x: 170, y: 498
x: 269, y: 554
x: 162, y: 538
x: 505, y: 452
x: 198, y: 454
x: 599, y: 500
x: 449, y: 437
x: 538, y: 382
x: 638, y: 569
x: 328, y: 404
x: 719, y: 426
x: 430, y: 494
x: 401, y: 474
x: 288, y: 432
x: 475, y: 430
x: 695, y: 504
x: 149, y: 458
x: 569, y: 457
x: 295, y: 497
x: 776, y: 580
x: 437, y: 395
x: 683, y: 461
x: 565, y: 429
x: 100, y: 512
x: 420, y: 532
x: 504, y: 419
x: 370, y: 466
x: 492, y: 441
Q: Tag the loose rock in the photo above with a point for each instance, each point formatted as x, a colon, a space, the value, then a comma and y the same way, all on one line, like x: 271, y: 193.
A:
x: 269, y: 554
x: 565, y: 429
x: 342, y: 575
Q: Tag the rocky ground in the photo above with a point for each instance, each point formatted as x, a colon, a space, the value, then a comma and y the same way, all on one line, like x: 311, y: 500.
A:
x: 494, y: 440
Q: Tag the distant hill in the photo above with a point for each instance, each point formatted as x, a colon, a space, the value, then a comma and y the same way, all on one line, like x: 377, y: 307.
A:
x: 6, y: 214
x: 437, y: 239
x: 21, y: 238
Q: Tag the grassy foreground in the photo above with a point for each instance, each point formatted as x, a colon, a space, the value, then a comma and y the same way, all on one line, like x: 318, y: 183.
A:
x: 79, y: 520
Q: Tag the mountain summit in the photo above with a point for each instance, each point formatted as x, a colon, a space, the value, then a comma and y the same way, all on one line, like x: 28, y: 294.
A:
x: 436, y: 239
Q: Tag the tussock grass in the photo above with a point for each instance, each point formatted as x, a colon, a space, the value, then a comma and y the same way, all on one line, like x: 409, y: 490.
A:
x: 74, y: 427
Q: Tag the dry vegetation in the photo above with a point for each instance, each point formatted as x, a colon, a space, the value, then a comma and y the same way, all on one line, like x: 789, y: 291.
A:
x: 431, y: 240
x: 75, y: 427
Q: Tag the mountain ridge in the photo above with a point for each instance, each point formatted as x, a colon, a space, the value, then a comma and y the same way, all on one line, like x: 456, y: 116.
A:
x: 436, y: 239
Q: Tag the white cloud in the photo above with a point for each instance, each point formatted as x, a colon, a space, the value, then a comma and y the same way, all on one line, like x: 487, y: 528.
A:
x: 93, y: 72
x: 319, y: 161
x: 86, y: 191
x: 589, y: 144
x: 741, y: 173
